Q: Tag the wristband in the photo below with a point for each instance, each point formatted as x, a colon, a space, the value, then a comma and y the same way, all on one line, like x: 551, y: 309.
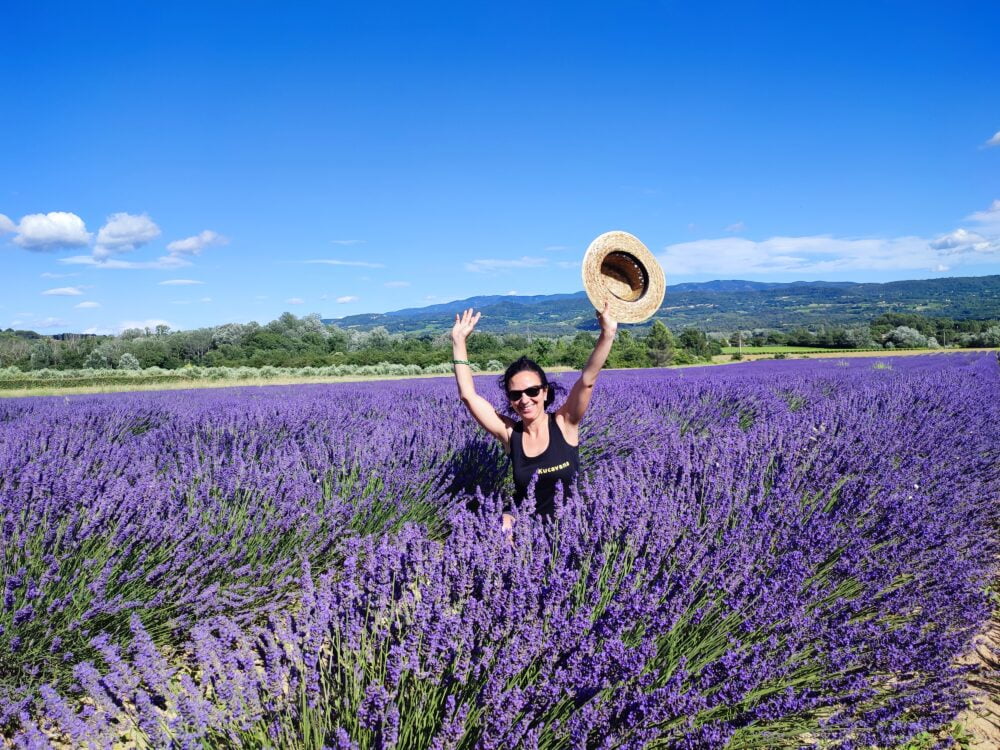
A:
x: 460, y: 362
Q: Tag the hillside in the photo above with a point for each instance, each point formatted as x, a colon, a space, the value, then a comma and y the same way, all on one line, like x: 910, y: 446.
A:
x: 716, y: 306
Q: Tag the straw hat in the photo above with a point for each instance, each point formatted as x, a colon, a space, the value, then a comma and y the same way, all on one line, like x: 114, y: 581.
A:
x: 618, y: 268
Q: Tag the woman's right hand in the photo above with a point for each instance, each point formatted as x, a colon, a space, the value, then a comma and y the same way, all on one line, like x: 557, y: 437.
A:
x: 464, y: 324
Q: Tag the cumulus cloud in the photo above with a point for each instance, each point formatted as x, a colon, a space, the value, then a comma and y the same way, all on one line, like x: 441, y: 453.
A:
x: 6, y: 225
x: 962, y: 240
x: 990, y: 218
x: 194, y: 245
x: 963, y: 243
x: 396, y: 284
x: 994, y: 141
x: 124, y: 232
x: 295, y: 301
x: 89, y: 305
x: 51, y: 231
x: 739, y: 226
x: 64, y: 291
x: 357, y: 263
x: 163, y: 262
x: 180, y: 282
x: 348, y: 298
x: 494, y: 264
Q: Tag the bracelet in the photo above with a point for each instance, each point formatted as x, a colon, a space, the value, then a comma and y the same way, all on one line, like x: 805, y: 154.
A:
x: 460, y: 362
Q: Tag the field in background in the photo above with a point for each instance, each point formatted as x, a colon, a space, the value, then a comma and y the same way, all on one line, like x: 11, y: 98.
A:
x: 129, y: 383
x: 771, y: 349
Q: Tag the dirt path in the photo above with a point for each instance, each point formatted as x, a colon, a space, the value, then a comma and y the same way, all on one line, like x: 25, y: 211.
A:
x: 982, y: 719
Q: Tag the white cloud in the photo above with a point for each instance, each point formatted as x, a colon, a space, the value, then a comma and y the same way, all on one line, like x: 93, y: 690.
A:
x: 49, y: 275
x: 89, y: 305
x: 346, y: 299
x: 494, y: 264
x: 511, y: 293
x: 64, y: 291
x: 811, y: 254
x: 962, y: 240
x: 739, y: 226
x: 994, y: 141
x: 818, y: 255
x: 124, y: 232
x: 556, y: 248
x: 51, y: 231
x: 568, y: 264
x: 205, y: 299
x: 166, y: 262
x: 396, y: 284
x: 180, y: 282
x: 990, y: 218
x: 6, y: 225
x: 357, y: 263
x: 346, y: 242
x: 194, y: 245
x: 295, y: 301
x: 99, y: 331
x: 35, y: 323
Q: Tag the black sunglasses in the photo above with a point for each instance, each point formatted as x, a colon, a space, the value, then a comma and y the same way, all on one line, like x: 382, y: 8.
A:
x: 533, y: 391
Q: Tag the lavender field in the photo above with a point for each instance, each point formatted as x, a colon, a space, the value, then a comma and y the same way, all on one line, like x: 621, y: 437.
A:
x: 763, y: 555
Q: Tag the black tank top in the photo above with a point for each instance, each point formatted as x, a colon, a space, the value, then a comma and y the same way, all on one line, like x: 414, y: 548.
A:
x: 559, y: 462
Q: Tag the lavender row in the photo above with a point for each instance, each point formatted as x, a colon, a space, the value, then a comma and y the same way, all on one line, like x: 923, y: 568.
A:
x: 755, y: 554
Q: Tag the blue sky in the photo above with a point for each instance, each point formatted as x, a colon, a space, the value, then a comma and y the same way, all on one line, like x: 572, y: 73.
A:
x: 200, y: 163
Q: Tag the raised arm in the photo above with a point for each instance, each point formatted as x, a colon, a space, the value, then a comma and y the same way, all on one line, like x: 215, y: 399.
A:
x: 481, y: 409
x: 578, y: 399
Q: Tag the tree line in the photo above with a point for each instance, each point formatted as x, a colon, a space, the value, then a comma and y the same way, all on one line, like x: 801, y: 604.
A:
x: 290, y: 341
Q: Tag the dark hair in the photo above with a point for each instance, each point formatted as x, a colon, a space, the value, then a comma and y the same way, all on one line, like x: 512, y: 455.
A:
x: 523, y: 364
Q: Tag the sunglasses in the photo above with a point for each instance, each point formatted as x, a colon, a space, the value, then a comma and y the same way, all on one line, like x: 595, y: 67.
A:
x: 533, y: 391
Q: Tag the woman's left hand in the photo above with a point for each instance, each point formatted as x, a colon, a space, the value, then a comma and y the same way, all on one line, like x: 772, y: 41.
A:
x: 608, y: 324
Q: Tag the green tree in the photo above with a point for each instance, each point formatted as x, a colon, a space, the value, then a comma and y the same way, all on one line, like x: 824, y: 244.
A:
x: 128, y: 362
x: 628, y: 351
x: 696, y: 342
x: 660, y: 343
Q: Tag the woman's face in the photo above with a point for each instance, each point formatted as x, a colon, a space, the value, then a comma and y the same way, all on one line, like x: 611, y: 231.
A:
x: 527, y: 406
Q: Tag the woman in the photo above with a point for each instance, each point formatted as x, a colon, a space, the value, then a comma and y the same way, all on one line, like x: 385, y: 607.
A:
x: 542, y: 444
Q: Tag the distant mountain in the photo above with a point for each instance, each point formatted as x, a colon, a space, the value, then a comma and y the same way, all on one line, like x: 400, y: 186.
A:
x: 723, y: 305
x: 479, y: 302
x: 736, y: 285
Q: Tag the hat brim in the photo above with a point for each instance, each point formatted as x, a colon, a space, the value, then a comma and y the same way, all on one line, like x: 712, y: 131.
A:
x: 619, y: 269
